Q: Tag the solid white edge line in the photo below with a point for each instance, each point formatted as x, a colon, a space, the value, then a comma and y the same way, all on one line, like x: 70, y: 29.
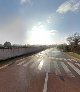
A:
x: 4, y: 66
x: 45, y: 84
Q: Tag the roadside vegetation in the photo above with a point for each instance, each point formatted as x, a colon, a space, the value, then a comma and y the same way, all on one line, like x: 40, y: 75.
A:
x: 73, y: 48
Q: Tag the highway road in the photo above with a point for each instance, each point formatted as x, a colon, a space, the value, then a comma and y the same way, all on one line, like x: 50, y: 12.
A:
x: 47, y: 71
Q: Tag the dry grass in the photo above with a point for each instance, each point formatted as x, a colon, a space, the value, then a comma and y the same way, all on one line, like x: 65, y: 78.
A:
x: 75, y: 55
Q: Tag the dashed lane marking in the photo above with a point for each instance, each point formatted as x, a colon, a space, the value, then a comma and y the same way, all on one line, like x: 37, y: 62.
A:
x: 34, y: 64
x: 21, y: 62
x: 40, y: 65
x: 26, y: 64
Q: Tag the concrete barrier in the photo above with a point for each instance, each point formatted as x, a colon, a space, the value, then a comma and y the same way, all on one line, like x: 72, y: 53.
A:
x: 13, y: 52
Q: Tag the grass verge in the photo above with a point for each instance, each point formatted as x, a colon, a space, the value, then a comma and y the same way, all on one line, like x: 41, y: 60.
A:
x: 74, y: 55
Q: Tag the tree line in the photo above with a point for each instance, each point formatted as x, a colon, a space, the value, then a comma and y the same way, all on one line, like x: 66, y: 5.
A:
x: 73, y: 44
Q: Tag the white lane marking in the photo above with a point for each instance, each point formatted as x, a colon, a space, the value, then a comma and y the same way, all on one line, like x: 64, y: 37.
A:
x: 48, y: 67
x: 65, y: 59
x: 60, y: 58
x: 57, y: 58
x: 75, y: 68
x: 45, y: 84
x: 76, y: 61
x: 21, y: 62
x: 40, y: 65
x: 21, y: 59
x: 67, y: 70
x: 26, y: 64
x: 51, y: 57
x: 4, y: 66
x: 73, y: 60
x: 68, y: 59
x: 57, y: 70
x: 35, y: 63
x: 77, y: 64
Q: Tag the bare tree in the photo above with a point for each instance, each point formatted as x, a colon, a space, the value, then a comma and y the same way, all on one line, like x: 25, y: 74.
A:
x: 74, y: 42
x: 74, y: 39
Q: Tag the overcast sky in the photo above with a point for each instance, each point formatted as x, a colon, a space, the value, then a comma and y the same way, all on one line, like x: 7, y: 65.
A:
x: 24, y: 21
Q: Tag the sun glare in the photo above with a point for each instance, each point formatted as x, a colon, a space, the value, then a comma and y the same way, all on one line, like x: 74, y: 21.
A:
x: 39, y: 35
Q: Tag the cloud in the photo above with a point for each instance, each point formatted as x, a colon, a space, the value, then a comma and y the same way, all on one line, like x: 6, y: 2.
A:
x: 49, y: 20
x: 69, y: 6
x: 52, y: 32
x: 25, y: 2
x: 54, y: 18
